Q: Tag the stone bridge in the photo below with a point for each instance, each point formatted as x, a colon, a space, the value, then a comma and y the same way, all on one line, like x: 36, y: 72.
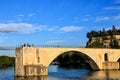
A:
x: 34, y: 61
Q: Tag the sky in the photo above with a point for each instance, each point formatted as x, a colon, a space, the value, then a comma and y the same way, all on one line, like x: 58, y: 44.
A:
x: 55, y: 22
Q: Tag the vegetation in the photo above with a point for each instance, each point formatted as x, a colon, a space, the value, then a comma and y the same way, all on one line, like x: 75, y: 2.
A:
x: 6, y: 61
x: 114, y: 43
x: 103, y: 34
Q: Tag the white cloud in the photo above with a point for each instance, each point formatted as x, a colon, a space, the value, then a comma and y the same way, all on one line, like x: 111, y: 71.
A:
x: 7, y: 48
x: 31, y: 14
x: 52, y: 28
x: 40, y: 27
x: 54, y: 41
x: 7, y: 31
x: 20, y: 15
x: 23, y: 17
x: 101, y: 19
x: 29, y: 28
x: 113, y: 8
x: 70, y: 28
x: 111, y: 18
x: 20, y: 27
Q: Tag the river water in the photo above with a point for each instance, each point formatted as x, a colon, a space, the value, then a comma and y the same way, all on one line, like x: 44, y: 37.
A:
x: 56, y: 73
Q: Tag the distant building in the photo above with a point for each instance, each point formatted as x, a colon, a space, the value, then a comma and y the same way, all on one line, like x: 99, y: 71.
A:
x: 105, y: 42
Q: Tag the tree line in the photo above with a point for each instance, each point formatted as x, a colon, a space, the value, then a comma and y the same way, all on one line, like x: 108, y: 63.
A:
x: 6, y: 61
x: 100, y: 33
x: 104, y: 34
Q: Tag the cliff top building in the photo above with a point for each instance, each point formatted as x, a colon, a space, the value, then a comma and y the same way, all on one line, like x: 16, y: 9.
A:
x: 105, y: 42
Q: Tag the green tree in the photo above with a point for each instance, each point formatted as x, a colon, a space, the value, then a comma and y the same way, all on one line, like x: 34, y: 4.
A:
x: 6, y: 61
x: 114, y: 30
x: 92, y: 34
x: 114, y: 42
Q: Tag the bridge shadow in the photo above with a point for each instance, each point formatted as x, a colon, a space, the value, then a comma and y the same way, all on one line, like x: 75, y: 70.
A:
x: 32, y: 78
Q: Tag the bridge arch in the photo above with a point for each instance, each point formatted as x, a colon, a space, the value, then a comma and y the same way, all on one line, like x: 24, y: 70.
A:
x: 88, y: 59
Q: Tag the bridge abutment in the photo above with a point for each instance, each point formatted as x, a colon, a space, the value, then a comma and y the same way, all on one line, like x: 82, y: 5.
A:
x: 35, y: 70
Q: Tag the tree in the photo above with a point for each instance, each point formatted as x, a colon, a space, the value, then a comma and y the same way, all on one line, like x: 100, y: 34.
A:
x: 114, y: 42
x: 6, y: 61
x: 109, y: 32
x: 113, y: 28
x: 88, y: 35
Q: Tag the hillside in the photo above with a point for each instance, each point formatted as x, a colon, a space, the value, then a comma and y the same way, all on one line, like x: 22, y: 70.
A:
x: 104, y: 38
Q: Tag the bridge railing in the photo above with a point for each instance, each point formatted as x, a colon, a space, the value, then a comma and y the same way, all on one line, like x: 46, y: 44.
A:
x: 54, y: 46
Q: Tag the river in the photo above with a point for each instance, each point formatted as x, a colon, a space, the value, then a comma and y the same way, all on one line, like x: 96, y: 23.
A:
x: 56, y: 73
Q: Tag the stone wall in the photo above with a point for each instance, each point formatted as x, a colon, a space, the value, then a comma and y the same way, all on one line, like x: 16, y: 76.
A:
x: 19, y: 67
x: 110, y: 65
x: 35, y: 70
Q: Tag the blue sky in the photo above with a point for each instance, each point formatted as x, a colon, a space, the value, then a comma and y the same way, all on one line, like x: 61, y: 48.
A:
x: 55, y: 22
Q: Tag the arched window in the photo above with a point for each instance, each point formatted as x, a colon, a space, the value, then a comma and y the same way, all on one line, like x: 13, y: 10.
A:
x: 106, y: 57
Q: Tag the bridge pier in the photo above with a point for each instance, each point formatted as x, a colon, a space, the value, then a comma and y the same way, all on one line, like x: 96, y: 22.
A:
x: 35, y: 70
x: 28, y: 69
x: 110, y: 65
x: 32, y: 70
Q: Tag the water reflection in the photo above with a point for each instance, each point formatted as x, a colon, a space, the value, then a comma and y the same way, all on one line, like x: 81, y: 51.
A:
x: 55, y: 73
x: 96, y: 75
x: 105, y: 75
x: 32, y: 78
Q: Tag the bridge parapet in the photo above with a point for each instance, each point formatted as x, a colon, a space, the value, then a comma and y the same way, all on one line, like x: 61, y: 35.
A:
x: 49, y: 46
